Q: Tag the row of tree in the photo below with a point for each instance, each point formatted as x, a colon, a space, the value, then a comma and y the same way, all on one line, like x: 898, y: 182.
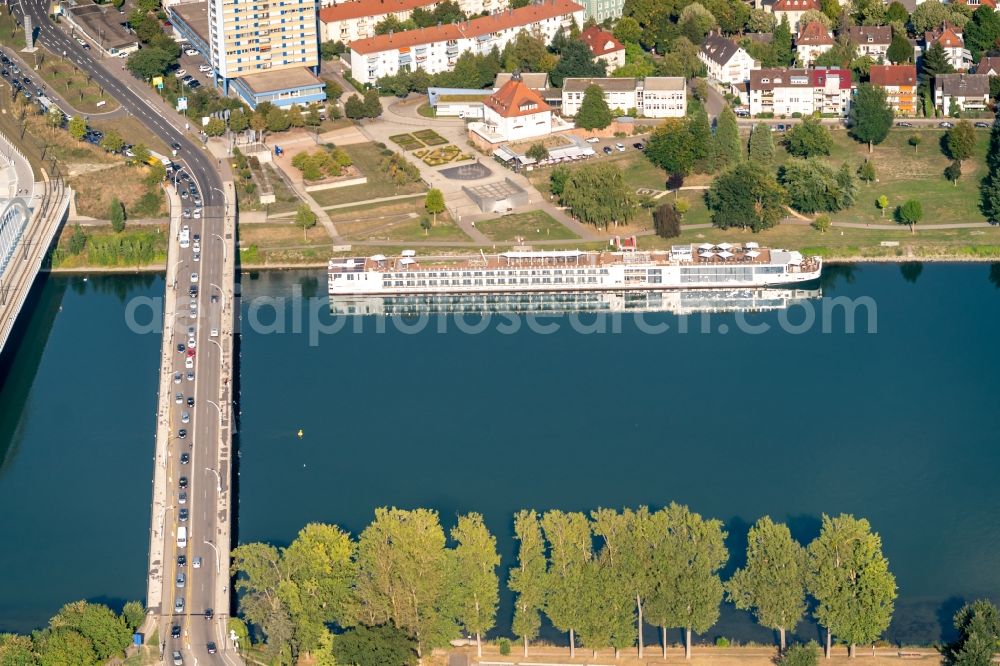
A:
x: 600, y: 577
x: 80, y: 633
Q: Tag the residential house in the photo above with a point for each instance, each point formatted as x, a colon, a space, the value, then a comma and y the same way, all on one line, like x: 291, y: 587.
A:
x: 792, y: 10
x: 900, y: 85
x: 537, y: 81
x: 602, y: 10
x: 604, y: 46
x: 652, y: 97
x: 951, y: 40
x: 783, y: 91
x: 961, y: 92
x: 726, y: 61
x: 437, y: 48
x: 871, y: 40
x: 513, y: 113
x: 814, y: 40
x: 989, y: 65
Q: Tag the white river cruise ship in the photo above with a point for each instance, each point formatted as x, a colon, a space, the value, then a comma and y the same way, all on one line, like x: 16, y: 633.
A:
x: 704, y: 266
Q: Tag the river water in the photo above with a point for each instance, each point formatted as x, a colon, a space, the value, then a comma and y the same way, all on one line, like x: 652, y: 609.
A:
x: 895, y: 425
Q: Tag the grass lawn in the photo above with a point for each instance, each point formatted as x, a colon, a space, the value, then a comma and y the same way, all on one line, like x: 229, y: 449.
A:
x: 283, y: 235
x: 136, y: 246
x: 133, y: 132
x: 533, y: 225
x: 73, y: 84
x: 406, y: 141
x: 10, y: 33
x: 638, y: 171
x: 394, y: 221
x: 430, y: 137
x: 366, y: 157
x: 426, y: 110
x: 95, y: 190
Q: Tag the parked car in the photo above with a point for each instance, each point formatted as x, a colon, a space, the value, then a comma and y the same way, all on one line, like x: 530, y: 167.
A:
x: 620, y: 147
x: 593, y: 139
x: 190, y: 52
x: 946, y: 125
x: 180, y: 73
x: 607, y: 150
x: 982, y: 124
x: 904, y: 124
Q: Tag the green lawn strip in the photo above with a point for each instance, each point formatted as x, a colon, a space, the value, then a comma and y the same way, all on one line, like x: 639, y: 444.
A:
x: 532, y: 225
x: 366, y: 157
x: 11, y: 34
x: 71, y: 83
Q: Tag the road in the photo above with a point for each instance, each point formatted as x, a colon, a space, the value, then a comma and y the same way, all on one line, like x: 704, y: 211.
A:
x: 202, y: 441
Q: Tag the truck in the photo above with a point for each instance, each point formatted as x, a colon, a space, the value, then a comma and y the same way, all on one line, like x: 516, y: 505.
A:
x: 182, y: 537
x: 185, y: 238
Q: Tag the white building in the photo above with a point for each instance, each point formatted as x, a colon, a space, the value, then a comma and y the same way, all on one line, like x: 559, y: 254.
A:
x: 813, y: 41
x: 871, y: 40
x: 792, y: 10
x: 604, y: 46
x: 968, y: 92
x: 436, y: 49
x: 953, y: 44
x: 350, y: 21
x: 652, y: 97
x: 513, y: 113
x: 469, y: 7
x: 726, y: 61
x: 785, y: 92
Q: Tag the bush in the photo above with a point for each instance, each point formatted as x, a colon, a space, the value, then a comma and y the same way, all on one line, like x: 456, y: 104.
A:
x: 821, y: 223
x: 504, y: 645
x: 721, y: 641
x: 801, y: 655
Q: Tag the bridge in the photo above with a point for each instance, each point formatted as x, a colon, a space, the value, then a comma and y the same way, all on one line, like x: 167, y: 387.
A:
x: 30, y: 215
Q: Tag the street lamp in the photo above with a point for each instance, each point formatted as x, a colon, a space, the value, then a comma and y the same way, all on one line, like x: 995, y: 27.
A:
x: 212, y: 284
x: 224, y: 252
x: 224, y: 199
x: 214, y: 404
x: 218, y: 565
x: 218, y: 479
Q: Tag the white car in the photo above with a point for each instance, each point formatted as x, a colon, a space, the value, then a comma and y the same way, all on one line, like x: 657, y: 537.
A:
x: 180, y: 73
x: 191, y: 52
x: 205, y: 68
x: 197, y: 213
x: 194, y: 278
x: 191, y: 343
x: 593, y: 139
x: 189, y: 363
x: 196, y: 563
x: 79, y: 40
x: 620, y: 147
x: 214, y: 333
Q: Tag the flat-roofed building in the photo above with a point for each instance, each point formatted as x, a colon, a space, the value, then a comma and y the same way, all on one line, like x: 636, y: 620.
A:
x: 782, y: 91
x: 436, y: 49
x: 652, y: 97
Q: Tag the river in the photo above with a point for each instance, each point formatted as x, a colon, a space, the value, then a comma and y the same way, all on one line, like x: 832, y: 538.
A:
x: 894, y: 426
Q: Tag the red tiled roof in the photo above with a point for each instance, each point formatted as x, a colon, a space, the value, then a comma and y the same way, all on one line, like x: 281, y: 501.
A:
x: 795, y: 5
x: 522, y: 16
x: 988, y: 64
x: 893, y: 75
x: 948, y: 35
x: 782, y: 77
x: 818, y: 77
x: 814, y: 34
x: 358, y: 8
x: 600, y: 42
x: 514, y: 99
x: 975, y: 3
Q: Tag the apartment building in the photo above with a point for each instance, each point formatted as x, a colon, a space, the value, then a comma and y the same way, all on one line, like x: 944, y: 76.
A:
x: 437, y: 48
x: 652, y: 97
x: 266, y: 50
x: 785, y: 92
x: 792, y: 10
x: 602, y: 10
x: 961, y: 92
x: 900, y: 85
x: 469, y: 7
x: 356, y: 19
x: 726, y: 61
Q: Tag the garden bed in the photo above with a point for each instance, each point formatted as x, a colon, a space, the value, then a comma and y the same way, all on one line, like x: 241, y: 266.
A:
x: 430, y: 137
x: 443, y: 155
x: 406, y: 141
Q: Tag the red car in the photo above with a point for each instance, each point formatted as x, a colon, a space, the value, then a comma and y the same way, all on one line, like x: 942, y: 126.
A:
x: 190, y: 353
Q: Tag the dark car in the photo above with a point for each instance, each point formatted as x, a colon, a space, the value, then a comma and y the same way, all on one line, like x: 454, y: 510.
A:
x: 182, y: 433
x: 190, y: 401
x: 180, y: 348
x: 210, y: 647
x: 183, y: 515
x: 209, y: 613
x: 182, y: 561
x: 183, y: 482
x: 175, y: 146
x: 982, y: 124
x: 175, y: 631
x: 639, y: 145
x: 607, y: 150
x: 185, y: 459
x: 193, y: 290
x: 904, y: 124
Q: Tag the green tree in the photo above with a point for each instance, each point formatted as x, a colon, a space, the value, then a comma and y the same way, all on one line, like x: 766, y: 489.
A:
x: 557, y: 181
x: 537, y: 152
x: 570, y: 553
x: 809, y: 139
x: 882, y: 202
x: 434, y: 203
x: 900, y: 50
x: 781, y: 44
x: 142, y: 154
x: 689, y: 590
x: 928, y: 16
x: 960, y: 141
x: 761, y: 144
x: 914, y: 141
x: 133, y: 612
x: 953, y: 172
x: 330, y: 49
x: 58, y: 647
x: 474, y: 577
x: 866, y: 172
x: 670, y: 146
x: 598, y: 194
x: 772, y: 584
x: 990, y: 197
x: 871, y: 115
x: 278, y: 120
x: 393, y: 24
x: 372, y: 104
x: 695, y: 22
x: 627, y: 30
x: 847, y: 573
x: 106, y: 632
x: 576, y: 60
x: 149, y: 63
x: 16, y: 650
x: 528, y: 579
x: 978, y: 626
x: 77, y: 241
x: 728, y: 147
x: 801, y: 654
x: 982, y: 32
x: 332, y: 90
x: 112, y: 141
x: 77, y: 127
x: 701, y: 136
x: 746, y: 196
x: 896, y: 13
x: 667, y: 221
x: 935, y: 60
x: 403, y: 576
x: 383, y: 645
x: 594, y: 112
x: 215, y: 127
x: 116, y: 213
x: 354, y: 108
x: 525, y: 53
x: 305, y: 219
